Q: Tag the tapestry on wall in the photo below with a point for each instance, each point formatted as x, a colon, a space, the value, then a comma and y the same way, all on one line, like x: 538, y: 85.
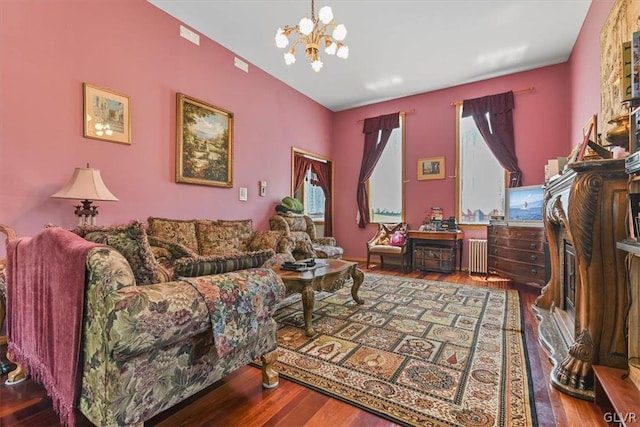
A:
x: 417, y: 352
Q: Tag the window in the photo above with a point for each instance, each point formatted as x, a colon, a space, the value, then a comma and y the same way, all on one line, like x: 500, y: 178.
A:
x: 313, y: 198
x: 386, y: 183
x: 481, y: 179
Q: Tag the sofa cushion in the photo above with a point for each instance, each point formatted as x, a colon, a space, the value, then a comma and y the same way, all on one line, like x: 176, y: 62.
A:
x: 216, y: 239
x: 179, y: 231
x: 215, y: 264
x: 265, y: 240
x: 328, y: 251
x: 131, y: 241
x: 243, y: 229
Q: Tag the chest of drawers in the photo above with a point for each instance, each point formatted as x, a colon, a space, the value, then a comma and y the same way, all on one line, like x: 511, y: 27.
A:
x: 517, y: 253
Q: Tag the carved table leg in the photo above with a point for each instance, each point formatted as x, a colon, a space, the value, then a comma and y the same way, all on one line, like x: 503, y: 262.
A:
x: 358, y: 278
x: 308, y: 301
x: 270, y: 377
x: 16, y: 376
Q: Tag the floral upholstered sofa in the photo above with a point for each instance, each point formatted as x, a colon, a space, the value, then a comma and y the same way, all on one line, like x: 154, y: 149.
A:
x: 150, y: 342
x: 196, y: 247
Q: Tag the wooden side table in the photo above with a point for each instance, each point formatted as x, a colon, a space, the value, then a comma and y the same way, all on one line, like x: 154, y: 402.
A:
x: 435, y: 250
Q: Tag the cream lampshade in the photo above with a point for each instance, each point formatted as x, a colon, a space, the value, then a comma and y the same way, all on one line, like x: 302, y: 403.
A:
x: 86, y: 185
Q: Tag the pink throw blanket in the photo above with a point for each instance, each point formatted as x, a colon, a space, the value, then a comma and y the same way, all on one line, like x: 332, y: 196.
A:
x: 45, y: 305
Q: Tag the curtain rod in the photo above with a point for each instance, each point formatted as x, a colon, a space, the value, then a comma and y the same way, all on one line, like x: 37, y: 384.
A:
x: 413, y: 110
x: 515, y: 91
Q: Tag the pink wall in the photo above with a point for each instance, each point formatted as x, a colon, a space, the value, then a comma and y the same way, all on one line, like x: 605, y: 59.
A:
x: 49, y: 49
x: 584, y: 66
x: 540, y: 117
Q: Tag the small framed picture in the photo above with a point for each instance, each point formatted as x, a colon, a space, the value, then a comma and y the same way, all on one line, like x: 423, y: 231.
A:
x: 204, y: 146
x: 107, y: 115
x: 431, y: 168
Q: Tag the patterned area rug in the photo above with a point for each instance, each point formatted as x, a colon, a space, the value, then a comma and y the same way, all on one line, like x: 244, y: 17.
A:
x: 417, y: 352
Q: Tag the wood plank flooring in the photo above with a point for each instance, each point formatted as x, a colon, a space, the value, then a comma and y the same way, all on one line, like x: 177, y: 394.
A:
x: 239, y: 399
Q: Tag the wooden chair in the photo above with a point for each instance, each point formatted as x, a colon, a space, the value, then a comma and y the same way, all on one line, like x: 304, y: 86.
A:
x: 380, y: 244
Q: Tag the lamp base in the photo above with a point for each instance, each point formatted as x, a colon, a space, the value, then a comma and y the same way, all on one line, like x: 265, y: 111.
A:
x: 86, y: 213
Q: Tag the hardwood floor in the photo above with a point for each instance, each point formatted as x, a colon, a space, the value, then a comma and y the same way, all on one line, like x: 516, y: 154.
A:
x: 239, y: 398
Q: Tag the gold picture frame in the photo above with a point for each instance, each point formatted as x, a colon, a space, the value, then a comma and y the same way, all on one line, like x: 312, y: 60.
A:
x: 431, y: 168
x: 204, y: 143
x: 107, y: 114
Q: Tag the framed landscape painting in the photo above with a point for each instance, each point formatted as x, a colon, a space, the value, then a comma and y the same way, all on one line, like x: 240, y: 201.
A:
x: 107, y: 114
x: 204, y: 146
x: 431, y: 168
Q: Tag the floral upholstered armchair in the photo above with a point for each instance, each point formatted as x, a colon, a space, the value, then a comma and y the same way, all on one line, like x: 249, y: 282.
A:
x: 302, y: 231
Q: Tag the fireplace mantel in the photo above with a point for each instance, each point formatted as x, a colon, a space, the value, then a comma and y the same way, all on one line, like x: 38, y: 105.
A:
x: 584, y: 216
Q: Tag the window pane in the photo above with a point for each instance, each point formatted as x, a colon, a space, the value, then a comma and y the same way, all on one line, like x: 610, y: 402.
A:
x: 313, y: 198
x: 385, y: 184
x: 481, y: 181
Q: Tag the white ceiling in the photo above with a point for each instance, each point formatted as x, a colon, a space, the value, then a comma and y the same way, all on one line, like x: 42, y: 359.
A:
x: 397, y: 47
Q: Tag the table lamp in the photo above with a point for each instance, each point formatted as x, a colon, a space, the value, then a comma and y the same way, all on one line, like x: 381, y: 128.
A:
x: 86, y: 185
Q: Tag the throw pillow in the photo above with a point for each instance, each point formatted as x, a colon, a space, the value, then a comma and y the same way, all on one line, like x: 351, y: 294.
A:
x: 397, y: 238
x: 243, y: 229
x: 265, y: 240
x: 216, y: 239
x: 387, y: 233
x: 179, y: 231
x: 131, y: 241
x: 205, y: 265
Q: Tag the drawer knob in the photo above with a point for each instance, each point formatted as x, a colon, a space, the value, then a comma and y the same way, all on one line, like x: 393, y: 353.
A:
x: 533, y: 245
x: 534, y: 271
x: 534, y: 258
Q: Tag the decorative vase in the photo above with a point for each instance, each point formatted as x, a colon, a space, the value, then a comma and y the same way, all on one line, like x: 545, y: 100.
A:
x: 619, y: 133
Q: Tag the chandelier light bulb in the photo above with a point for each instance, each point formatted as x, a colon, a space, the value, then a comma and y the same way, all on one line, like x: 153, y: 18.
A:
x: 281, y: 39
x: 343, y: 52
x: 314, y: 32
x: 316, y: 65
x: 331, y: 48
x: 306, y: 26
x: 289, y: 57
x: 340, y: 32
x: 326, y: 15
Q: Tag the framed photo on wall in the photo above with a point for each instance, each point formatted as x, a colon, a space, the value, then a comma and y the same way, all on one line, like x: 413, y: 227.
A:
x: 431, y: 168
x: 204, y: 143
x: 107, y: 114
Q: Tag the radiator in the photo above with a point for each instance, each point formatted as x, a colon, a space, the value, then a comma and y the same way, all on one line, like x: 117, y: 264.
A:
x: 477, y: 255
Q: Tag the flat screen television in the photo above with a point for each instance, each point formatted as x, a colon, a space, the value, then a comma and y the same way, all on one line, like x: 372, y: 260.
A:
x: 524, y: 205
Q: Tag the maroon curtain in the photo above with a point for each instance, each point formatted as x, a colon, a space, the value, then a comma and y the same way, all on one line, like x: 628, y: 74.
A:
x: 301, y: 165
x: 493, y: 117
x: 381, y: 126
x: 323, y: 175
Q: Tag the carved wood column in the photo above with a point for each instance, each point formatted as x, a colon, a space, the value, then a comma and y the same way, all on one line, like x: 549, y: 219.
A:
x: 585, y: 209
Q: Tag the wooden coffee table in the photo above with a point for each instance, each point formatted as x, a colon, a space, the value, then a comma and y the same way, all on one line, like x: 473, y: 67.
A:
x: 328, y: 275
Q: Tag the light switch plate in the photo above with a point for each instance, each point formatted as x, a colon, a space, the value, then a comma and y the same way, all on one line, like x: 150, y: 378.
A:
x: 243, y: 194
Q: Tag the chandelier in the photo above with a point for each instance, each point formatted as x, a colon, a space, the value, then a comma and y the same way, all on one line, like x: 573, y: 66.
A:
x: 313, y: 33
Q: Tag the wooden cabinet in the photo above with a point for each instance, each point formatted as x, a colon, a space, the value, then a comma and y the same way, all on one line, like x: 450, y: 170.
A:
x: 434, y: 258
x: 517, y: 252
x: 583, y: 308
x: 435, y: 250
